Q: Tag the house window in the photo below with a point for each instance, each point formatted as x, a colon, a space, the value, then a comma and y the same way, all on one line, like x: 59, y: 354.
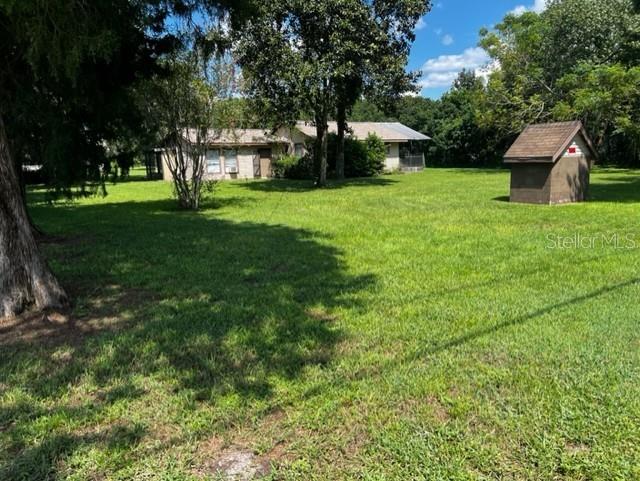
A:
x: 213, y: 161
x: 388, y: 146
x: 298, y: 150
x: 231, y: 161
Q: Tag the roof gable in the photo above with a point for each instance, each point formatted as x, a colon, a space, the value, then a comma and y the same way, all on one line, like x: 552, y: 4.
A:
x: 546, y: 142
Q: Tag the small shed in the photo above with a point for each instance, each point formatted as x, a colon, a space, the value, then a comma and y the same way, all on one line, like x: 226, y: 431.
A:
x: 551, y: 164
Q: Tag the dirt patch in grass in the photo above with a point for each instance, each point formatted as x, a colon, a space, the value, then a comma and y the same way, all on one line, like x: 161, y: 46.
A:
x: 233, y: 462
x: 575, y: 448
x: 252, y: 451
x: 237, y: 464
x: 97, y: 311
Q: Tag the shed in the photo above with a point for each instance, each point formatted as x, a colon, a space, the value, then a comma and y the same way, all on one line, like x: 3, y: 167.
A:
x: 551, y: 164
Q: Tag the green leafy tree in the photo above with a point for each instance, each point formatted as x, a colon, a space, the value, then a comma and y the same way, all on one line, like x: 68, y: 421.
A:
x: 70, y: 53
x: 315, y: 57
x: 543, y: 60
x: 607, y: 99
x: 374, y: 61
x: 185, y: 107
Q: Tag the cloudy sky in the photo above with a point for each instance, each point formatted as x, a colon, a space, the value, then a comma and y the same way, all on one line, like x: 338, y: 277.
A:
x: 447, y: 38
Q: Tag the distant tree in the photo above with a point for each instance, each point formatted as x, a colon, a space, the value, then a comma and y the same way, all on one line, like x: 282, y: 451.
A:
x: 607, y: 98
x: 366, y: 111
x: 541, y: 56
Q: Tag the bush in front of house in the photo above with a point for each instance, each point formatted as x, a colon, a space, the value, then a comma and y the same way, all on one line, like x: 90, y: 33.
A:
x: 293, y: 167
x: 361, y: 159
x: 376, y: 155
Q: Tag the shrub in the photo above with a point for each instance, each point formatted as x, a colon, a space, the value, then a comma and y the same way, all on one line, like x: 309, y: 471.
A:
x: 361, y: 159
x: 292, y: 167
x: 368, y: 159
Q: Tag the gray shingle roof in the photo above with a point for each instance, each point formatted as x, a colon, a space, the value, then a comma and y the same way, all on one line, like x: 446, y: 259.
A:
x: 232, y: 137
x: 387, y: 131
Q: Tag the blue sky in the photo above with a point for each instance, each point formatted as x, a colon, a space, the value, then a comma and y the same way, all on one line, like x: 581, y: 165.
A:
x: 447, y: 38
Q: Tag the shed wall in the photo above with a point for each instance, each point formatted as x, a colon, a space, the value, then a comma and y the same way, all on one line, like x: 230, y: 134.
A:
x: 531, y: 183
x: 570, y: 179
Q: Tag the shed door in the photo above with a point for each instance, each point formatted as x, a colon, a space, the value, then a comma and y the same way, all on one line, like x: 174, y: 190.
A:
x: 265, y: 162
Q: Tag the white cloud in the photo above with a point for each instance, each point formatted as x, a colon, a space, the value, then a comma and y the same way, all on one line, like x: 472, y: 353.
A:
x: 421, y: 24
x: 538, y: 7
x: 447, y: 40
x: 471, y: 57
x: 438, y: 31
x: 443, y: 70
x: 438, y: 79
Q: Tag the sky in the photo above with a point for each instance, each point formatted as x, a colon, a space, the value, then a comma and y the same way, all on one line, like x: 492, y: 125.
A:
x: 447, y: 38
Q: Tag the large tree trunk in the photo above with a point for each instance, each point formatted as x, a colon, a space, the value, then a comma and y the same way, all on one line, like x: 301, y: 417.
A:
x: 25, y: 279
x: 342, y: 127
x: 320, y: 148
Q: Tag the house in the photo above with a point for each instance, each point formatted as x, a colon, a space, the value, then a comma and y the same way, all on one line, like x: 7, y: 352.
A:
x: 404, y: 149
x: 236, y: 153
x: 551, y: 164
x: 248, y: 153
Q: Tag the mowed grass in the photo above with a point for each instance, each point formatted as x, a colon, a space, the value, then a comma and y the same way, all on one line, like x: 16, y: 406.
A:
x: 410, y: 327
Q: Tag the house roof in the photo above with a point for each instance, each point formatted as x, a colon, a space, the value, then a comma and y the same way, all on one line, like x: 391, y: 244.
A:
x: 387, y: 131
x: 236, y: 137
x: 546, y: 143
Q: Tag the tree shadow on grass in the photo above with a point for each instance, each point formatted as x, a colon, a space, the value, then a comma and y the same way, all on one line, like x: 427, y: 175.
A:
x: 476, y: 170
x: 212, y: 307
x: 294, y: 186
x: 623, y: 189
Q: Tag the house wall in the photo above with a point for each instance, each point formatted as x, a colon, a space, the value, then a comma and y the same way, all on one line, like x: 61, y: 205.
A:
x: 248, y: 160
x: 294, y: 136
x: 392, y: 162
x: 531, y: 183
x: 166, y: 173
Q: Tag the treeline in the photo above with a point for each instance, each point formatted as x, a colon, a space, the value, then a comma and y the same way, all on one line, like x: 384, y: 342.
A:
x: 579, y: 59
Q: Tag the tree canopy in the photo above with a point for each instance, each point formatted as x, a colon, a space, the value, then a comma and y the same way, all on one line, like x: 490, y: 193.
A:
x: 65, y: 86
x: 315, y: 58
x: 578, y: 59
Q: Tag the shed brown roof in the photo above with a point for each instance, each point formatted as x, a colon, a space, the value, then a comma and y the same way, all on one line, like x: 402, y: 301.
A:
x: 546, y: 142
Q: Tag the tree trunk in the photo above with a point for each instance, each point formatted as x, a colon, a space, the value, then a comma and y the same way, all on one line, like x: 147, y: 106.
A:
x: 342, y: 127
x: 25, y: 278
x: 322, y: 139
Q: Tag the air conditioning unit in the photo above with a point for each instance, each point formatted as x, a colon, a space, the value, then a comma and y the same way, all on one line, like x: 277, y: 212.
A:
x: 232, y: 170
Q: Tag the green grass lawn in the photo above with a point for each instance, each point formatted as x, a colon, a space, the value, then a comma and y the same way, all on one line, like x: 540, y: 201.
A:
x: 399, y: 328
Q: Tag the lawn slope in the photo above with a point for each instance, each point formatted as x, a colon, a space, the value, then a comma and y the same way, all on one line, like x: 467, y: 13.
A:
x: 404, y: 327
